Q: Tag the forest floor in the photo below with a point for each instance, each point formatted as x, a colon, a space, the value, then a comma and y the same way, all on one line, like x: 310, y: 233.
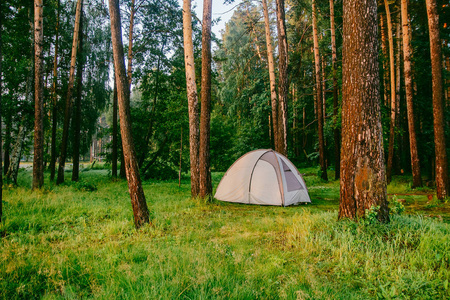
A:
x: 78, y: 240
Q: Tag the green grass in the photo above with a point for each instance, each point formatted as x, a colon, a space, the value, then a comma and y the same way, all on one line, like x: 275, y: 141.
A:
x: 78, y: 241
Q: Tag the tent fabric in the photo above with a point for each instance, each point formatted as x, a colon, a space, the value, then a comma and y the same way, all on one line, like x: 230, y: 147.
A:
x: 263, y: 177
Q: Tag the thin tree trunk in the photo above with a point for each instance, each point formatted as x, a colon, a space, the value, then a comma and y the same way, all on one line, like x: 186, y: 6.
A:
x: 319, y: 102
x: 282, y: 78
x: 114, y: 134
x: 181, y: 155
x: 438, y: 105
x: 205, y: 115
x: 67, y: 111
x: 336, y: 131
x: 191, y: 87
x: 1, y: 91
x: 152, y: 114
x: 385, y: 64
x: 415, y: 163
x: 7, y: 143
x: 397, y: 159
x: 272, y: 79
x: 54, y: 100
x: 38, y: 161
x: 138, y: 202
x: 13, y: 168
x: 363, y: 182
x: 393, y: 95
x: 130, y: 45
x: 77, y: 112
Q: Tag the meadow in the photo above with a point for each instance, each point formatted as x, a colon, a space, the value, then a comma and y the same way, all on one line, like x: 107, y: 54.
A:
x: 78, y: 240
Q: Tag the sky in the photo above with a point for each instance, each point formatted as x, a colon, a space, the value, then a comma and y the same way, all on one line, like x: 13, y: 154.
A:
x: 218, y: 10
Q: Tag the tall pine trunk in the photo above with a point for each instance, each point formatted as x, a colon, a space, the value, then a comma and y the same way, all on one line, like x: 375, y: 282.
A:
x: 438, y: 105
x: 363, y: 182
x: 38, y: 160
x: 393, y: 94
x: 114, y: 134
x: 415, y: 162
x: 336, y: 131
x: 67, y: 111
x: 318, y: 94
x: 282, y: 78
x: 138, y: 202
x: 1, y: 91
x: 191, y: 87
x: 205, y: 112
x: 130, y: 45
x: 386, y: 82
x: 54, y: 100
x: 272, y: 78
x: 76, y: 124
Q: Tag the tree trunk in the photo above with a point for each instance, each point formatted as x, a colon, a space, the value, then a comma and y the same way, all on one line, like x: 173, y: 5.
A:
x: 205, y: 115
x: 7, y: 143
x: 393, y: 96
x: 363, y: 182
x: 282, y: 78
x: 181, y: 156
x: 272, y: 79
x: 138, y: 202
x: 385, y: 64
x: 336, y: 132
x: 415, y: 163
x: 191, y: 87
x: 76, y: 124
x: 318, y: 94
x: 38, y: 161
x: 13, y: 168
x: 152, y: 114
x: 398, y: 138
x: 130, y: 45
x: 114, y: 134
x: 54, y: 100
x: 438, y: 105
x: 1, y: 91
x: 67, y: 111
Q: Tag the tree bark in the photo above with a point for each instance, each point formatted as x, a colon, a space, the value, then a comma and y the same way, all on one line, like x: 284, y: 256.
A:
x: 13, y: 168
x: 363, y: 182
x: 138, y: 202
x: 191, y: 87
x: 282, y: 78
x: 130, y: 45
x: 114, y: 134
x: 54, y: 100
x: 272, y: 78
x: 7, y: 143
x: 318, y: 93
x: 438, y: 105
x: 393, y: 95
x: 1, y: 91
x: 205, y: 114
x: 38, y: 160
x: 385, y: 64
x: 67, y: 111
x: 77, y: 112
x: 336, y: 131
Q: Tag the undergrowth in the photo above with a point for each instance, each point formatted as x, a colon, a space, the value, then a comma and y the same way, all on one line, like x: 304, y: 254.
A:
x: 78, y: 241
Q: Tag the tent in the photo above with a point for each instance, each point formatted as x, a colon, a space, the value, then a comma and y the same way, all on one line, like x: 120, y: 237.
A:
x: 263, y: 177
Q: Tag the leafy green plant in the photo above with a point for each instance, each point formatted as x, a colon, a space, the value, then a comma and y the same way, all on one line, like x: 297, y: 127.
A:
x: 396, y: 207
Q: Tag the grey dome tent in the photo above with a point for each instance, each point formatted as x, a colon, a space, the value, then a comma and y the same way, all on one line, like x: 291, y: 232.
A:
x: 263, y: 177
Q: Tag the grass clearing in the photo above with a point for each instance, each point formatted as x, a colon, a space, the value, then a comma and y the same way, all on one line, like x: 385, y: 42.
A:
x: 78, y: 241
